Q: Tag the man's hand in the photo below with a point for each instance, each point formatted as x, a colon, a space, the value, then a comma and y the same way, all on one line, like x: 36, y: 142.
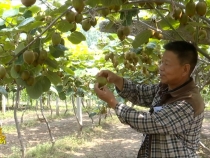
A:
x: 112, y: 78
x: 106, y: 95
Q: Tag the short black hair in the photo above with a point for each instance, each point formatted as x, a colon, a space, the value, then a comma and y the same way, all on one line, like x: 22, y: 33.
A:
x: 186, y: 52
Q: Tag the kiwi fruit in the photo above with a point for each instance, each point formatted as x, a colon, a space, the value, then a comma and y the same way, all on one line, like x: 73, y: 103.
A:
x: 190, y: 8
x: 2, y: 72
x: 25, y: 75
x: 120, y: 34
x: 78, y: 18
x: 184, y: 19
x: 56, y: 39
x: 28, y: 57
x: 74, y: 27
x: 126, y: 30
x: 78, y: 5
x: 86, y: 24
x: 201, y: 8
x: 202, y: 34
x: 17, y: 68
x: 177, y: 13
x: 102, y: 81
x: 105, y: 12
x: 93, y: 22
x: 28, y: 3
x: 30, y: 81
x: 70, y: 16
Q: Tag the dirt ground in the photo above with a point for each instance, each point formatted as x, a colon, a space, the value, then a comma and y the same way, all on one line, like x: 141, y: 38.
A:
x: 118, y: 140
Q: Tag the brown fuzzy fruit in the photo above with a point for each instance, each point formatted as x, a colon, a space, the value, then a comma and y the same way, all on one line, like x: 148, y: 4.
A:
x: 17, y: 68
x: 43, y: 55
x: 70, y: 16
x: 177, y: 13
x: 116, y: 8
x: 62, y: 42
x: 28, y: 3
x: 28, y: 57
x: 158, y: 35
x: 30, y: 81
x: 2, y: 72
x: 120, y: 34
x: 102, y: 81
x: 184, y: 19
x: 159, y: 3
x: 105, y: 12
x: 74, y: 27
x: 86, y: 24
x: 78, y: 18
x: 25, y: 75
x: 126, y: 30
x: 201, y: 8
x: 56, y: 39
x: 93, y: 22
x: 78, y: 5
x: 190, y: 8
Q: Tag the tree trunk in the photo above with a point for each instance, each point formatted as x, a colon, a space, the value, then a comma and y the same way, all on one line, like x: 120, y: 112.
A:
x: 66, y: 107
x: 47, y: 123
x: 57, y: 106
x: 49, y: 104
x: 17, y: 123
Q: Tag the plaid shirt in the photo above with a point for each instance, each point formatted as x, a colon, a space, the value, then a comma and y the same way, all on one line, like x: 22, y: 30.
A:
x: 174, y: 130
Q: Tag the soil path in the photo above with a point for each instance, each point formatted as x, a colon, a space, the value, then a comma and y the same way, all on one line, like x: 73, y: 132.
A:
x: 117, y: 140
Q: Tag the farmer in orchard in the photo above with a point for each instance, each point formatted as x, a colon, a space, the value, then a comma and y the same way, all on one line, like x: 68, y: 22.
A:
x: 173, y: 124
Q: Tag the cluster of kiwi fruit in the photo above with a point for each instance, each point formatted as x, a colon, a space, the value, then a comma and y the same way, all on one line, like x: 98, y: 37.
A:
x: 33, y: 58
x: 25, y: 75
x: 130, y: 60
x: 114, y: 59
x: 57, y: 39
x: 77, y: 17
x: 123, y: 32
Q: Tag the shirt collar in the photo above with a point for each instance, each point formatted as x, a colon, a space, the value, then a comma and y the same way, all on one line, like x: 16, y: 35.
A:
x: 179, y: 90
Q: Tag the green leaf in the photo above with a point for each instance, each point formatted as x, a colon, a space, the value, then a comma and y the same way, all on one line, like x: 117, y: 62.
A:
x: 68, y: 70
x: 64, y: 26
x: 3, y: 91
x: 19, y: 48
x: 62, y: 95
x: 56, y: 51
x: 45, y: 82
x: 27, y: 14
x: 76, y: 37
x: 34, y: 91
x: 52, y: 63
x: 142, y: 38
x: 26, y: 21
x: 13, y: 73
x: 53, y: 77
x: 10, y: 13
x: 59, y: 88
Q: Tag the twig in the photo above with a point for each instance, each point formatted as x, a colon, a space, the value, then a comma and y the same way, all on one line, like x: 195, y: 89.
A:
x: 203, y: 146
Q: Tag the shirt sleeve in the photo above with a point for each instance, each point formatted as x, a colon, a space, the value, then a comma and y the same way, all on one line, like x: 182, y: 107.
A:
x: 138, y: 94
x: 171, y: 119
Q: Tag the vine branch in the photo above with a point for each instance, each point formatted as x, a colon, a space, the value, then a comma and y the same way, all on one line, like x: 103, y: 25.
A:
x: 47, y: 28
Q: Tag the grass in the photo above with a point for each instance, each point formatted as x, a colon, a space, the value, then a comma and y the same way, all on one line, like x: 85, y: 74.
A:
x: 65, y: 147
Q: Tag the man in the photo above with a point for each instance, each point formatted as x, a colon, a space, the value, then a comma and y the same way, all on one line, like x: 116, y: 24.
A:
x: 172, y: 126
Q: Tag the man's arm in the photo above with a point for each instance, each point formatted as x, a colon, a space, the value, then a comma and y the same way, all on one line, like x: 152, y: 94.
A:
x: 171, y: 119
x: 138, y: 94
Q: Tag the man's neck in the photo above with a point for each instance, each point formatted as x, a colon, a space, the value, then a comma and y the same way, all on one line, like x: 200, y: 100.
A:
x: 175, y: 87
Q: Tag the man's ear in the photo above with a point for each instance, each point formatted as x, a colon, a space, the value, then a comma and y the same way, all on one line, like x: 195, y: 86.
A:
x: 186, y: 69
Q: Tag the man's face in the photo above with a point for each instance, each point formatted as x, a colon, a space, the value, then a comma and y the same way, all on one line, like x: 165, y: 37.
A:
x: 171, y: 70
